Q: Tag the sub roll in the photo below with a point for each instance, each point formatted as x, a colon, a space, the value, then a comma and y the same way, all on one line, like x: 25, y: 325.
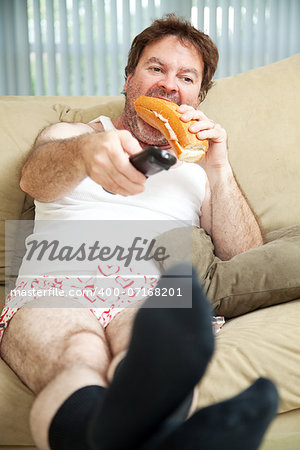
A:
x: 162, y: 115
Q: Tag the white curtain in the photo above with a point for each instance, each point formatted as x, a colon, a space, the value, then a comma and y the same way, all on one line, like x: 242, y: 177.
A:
x: 80, y: 47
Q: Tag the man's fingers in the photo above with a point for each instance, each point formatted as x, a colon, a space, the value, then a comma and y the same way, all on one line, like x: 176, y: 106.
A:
x: 110, y: 166
x: 124, y: 145
x: 189, y: 113
x: 125, y: 189
x: 202, y: 125
x: 128, y: 142
x: 113, y: 181
x: 204, y: 128
x: 216, y: 133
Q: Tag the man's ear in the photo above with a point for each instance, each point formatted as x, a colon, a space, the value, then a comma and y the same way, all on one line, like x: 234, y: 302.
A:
x: 127, y: 82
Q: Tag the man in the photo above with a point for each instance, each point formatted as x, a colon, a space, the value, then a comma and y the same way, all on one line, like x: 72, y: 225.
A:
x: 88, y: 395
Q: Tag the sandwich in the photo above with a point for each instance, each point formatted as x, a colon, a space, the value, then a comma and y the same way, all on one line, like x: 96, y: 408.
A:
x: 162, y: 115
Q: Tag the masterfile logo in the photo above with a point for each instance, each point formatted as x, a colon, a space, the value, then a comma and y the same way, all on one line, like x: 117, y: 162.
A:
x: 140, y: 249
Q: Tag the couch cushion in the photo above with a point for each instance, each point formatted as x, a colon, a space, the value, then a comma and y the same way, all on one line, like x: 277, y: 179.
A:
x: 110, y: 106
x: 262, y: 343
x: 15, y: 405
x: 264, y: 276
x: 260, y: 110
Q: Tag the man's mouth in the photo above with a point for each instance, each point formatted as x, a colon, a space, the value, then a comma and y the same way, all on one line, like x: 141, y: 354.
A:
x: 164, y: 97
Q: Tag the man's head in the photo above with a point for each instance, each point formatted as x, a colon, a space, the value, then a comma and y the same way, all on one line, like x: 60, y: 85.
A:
x: 171, y: 25
x: 171, y: 60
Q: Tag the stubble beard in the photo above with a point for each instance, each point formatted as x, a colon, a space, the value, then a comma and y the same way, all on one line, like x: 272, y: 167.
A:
x: 143, y: 132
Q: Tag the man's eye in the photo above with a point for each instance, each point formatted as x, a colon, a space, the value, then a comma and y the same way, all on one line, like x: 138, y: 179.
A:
x: 188, y: 80
x: 155, y: 69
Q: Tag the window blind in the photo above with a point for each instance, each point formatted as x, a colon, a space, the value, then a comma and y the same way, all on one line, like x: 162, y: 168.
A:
x: 80, y: 47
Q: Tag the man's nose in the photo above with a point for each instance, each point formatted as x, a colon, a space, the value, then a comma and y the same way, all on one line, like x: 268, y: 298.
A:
x: 169, y: 83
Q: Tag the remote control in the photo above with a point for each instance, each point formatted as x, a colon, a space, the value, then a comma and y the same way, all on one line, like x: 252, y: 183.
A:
x: 152, y: 160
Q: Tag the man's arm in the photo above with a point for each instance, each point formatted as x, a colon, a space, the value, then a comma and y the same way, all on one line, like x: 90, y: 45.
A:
x: 225, y: 213
x: 227, y: 217
x: 64, y: 154
x: 54, y: 165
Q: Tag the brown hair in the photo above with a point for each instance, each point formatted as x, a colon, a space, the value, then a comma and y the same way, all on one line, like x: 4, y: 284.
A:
x: 170, y: 24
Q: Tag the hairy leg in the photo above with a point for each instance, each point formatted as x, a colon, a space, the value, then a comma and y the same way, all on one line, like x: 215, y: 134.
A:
x: 55, y: 352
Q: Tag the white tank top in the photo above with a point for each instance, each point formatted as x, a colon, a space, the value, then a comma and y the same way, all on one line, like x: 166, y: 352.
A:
x: 171, y: 199
x: 176, y: 194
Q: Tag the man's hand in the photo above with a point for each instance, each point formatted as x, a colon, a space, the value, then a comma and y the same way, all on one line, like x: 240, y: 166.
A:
x: 204, y: 128
x: 105, y: 157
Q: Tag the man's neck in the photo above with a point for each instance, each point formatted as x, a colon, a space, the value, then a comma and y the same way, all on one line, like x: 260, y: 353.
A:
x: 120, y: 124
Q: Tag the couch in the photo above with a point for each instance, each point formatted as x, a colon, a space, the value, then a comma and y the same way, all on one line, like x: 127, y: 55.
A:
x: 258, y: 292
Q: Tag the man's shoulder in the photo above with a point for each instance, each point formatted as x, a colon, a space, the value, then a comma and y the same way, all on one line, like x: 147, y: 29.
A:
x: 65, y: 130
x: 97, y: 126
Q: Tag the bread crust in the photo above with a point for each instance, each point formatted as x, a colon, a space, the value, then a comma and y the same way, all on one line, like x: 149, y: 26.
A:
x: 162, y: 115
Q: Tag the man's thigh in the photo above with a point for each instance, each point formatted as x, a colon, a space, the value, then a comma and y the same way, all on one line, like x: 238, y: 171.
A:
x: 119, y: 330
x: 40, y: 342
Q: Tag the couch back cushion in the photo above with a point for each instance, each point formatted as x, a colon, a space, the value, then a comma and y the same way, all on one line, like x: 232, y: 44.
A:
x: 19, y: 124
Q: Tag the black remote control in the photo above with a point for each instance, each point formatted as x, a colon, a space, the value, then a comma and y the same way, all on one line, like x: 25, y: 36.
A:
x: 152, y: 160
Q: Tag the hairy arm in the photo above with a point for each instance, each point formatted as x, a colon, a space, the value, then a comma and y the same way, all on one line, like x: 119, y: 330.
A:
x: 227, y: 216
x: 54, y: 165
x: 64, y: 154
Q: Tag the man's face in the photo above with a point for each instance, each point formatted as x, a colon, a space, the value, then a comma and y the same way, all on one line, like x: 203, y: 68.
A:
x: 167, y: 69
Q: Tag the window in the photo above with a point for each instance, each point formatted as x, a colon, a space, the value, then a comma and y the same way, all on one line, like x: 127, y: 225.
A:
x: 80, y: 47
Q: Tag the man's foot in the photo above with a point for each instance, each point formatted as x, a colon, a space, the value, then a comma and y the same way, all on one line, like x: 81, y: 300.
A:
x: 235, y: 424
x: 167, y: 355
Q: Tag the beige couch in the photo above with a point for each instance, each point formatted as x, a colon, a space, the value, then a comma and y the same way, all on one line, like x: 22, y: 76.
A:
x: 258, y: 291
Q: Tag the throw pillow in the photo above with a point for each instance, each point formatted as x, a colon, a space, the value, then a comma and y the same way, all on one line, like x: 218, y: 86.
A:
x: 261, y: 277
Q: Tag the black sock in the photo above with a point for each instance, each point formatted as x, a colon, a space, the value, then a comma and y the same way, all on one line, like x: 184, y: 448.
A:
x: 235, y: 424
x: 176, y: 418
x: 169, y: 424
x: 167, y: 355
x: 180, y: 414
x: 68, y: 429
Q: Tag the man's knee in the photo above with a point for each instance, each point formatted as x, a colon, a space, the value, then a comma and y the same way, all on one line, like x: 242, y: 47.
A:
x: 88, y: 348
